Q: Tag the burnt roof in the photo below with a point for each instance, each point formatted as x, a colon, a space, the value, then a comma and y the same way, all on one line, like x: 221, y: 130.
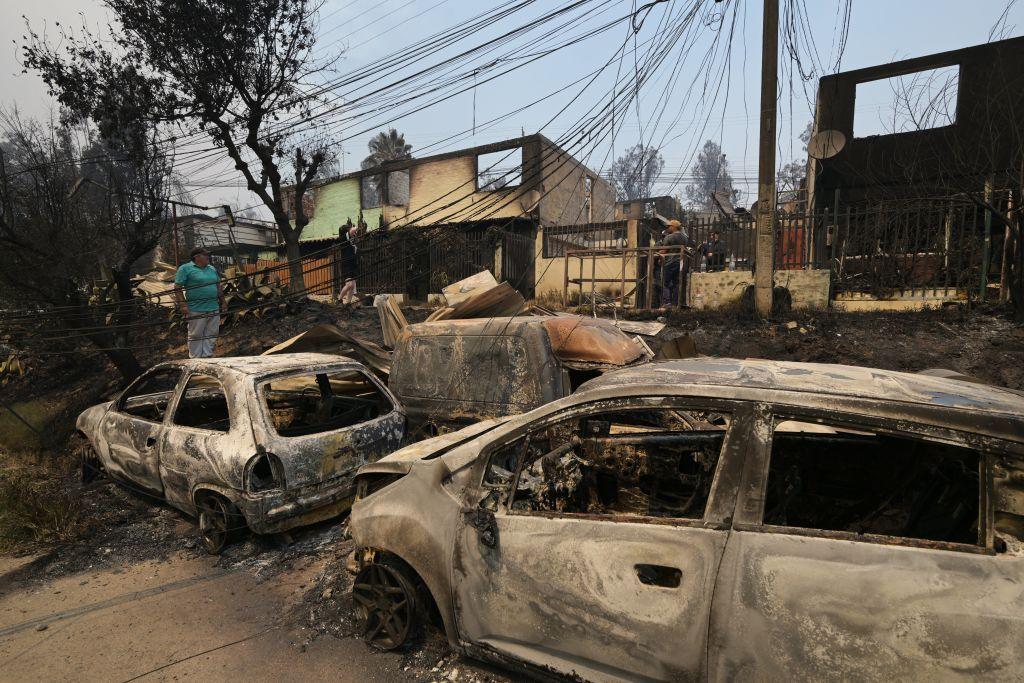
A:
x: 263, y: 365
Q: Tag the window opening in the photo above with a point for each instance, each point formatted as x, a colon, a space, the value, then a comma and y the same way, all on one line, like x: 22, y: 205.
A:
x: 637, y: 462
x: 322, y: 402
x: 901, y: 104
x: 499, y: 170
x: 203, y: 405
x: 371, y: 191
x: 588, y: 197
x: 149, y: 399
x: 842, y: 479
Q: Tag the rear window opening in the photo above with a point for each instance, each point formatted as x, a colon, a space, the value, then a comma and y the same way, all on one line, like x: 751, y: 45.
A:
x: 839, y: 479
x: 323, y: 402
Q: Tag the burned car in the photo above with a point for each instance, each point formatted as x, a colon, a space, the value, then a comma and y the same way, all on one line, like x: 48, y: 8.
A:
x: 451, y: 373
x: 264, y: 442
x: 713, y: 519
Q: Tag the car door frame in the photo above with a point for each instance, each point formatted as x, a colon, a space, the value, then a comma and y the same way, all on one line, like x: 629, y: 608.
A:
x: 204, y: 457
x: 149, y: 461
x: 718, y: 511
x: 739, y: 616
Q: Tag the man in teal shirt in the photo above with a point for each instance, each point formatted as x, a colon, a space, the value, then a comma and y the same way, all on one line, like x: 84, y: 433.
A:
x: 199, y: 297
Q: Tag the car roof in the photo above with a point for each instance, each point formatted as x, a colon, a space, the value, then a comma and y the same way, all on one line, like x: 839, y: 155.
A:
x: 267, y: 365
x: 820, y: 379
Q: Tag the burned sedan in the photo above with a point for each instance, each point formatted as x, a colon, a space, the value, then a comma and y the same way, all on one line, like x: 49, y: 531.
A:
x: 264, y: 442
x: 713, y: 519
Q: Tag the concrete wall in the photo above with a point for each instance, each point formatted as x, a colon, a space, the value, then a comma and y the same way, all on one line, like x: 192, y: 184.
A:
x: 337, y: 203
x: 562, y: 190
x: 916, y: 300
x: 808, y: 288
x: 917, y: 163
x: 434, y: 185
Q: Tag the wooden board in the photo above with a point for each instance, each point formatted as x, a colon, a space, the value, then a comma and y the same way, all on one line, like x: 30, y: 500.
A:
x: 457, y: 292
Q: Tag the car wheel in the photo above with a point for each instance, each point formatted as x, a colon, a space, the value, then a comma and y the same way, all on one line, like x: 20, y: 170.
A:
x: 89, y: 462
x: 218, y: 522
x: 387, y: 606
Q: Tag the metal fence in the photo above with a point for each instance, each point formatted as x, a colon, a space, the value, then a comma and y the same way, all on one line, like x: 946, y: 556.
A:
x: 927, y: 246
x: 560, y: 239
x: 924, y: 245
x: 418, y: 263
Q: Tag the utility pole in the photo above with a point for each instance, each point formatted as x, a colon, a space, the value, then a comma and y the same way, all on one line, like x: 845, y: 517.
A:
x: 765, y: 248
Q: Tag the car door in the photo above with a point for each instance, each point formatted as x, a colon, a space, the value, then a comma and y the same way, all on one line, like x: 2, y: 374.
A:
x: 132, y: 429
x: 591, y: 545
x: 207, y: 437
x: 866, y: 551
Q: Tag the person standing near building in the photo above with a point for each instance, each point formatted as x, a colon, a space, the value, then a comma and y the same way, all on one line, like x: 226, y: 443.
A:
x: 350, y: 264
x: 713, y: 250
x: 675, y: 237
x: 199, y: 298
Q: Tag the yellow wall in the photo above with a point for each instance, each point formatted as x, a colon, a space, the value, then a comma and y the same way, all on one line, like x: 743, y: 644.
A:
x: 550, y: 272
x: 434, y: 185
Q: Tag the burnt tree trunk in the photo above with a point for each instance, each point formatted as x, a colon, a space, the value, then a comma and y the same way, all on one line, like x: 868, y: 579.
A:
x: 296, y: 284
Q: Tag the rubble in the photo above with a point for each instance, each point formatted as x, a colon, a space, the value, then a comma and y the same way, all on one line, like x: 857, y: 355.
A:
x: 392, y: 320
x: 479, y: 296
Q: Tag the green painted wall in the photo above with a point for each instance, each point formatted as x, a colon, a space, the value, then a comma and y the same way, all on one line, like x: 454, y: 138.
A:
x: 335, y: 204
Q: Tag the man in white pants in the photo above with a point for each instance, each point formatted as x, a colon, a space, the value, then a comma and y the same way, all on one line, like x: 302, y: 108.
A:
x: 199, y: 298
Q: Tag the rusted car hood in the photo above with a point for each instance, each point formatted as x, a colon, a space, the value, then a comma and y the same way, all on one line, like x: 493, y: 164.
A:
x: 590, y: 342
x: 402, y: 459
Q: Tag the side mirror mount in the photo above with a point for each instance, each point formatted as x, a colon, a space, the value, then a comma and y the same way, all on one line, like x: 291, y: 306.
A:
x: 485, y: 524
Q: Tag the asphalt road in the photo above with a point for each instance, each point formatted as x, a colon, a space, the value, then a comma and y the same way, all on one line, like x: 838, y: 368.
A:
x: 177, y: 619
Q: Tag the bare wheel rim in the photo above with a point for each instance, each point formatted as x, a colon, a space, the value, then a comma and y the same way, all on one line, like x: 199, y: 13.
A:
x: 384, y: 602
x: 213, y: 523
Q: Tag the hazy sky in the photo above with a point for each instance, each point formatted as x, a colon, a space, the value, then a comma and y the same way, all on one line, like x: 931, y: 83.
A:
x: 362, y: 30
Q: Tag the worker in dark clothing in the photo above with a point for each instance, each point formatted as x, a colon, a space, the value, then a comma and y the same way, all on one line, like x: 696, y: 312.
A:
x: 670, y: 268
x: 713, y: 251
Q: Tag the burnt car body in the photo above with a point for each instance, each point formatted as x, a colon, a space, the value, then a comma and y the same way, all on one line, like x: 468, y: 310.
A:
x: 451, y: 373
x: 267, y: 442
x: 714, y: 519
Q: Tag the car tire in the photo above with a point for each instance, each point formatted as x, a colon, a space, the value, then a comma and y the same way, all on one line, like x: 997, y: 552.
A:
x: 388, y: 605
x: 89, y: 463
x: 219, y: 522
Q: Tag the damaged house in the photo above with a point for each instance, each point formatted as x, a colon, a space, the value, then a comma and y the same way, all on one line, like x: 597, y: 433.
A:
x: 483, y: 208
x: 917, y: 162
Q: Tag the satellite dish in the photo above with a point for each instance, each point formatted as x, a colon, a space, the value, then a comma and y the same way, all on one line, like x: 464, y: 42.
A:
x: 826, y: 144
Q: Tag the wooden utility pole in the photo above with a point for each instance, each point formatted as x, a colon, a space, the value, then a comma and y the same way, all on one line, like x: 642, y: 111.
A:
x: 765, y: 250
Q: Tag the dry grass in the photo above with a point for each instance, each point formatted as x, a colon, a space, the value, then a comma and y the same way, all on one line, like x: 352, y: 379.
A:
x: 40, y: 501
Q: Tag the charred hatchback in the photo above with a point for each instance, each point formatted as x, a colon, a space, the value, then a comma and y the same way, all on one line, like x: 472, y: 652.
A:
x: 264, y: 442
x: 713, y: 519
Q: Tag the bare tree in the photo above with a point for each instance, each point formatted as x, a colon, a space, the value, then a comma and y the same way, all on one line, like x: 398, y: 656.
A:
x: 64, y: 225
x: 234, y: 69
x: 790, y: 176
